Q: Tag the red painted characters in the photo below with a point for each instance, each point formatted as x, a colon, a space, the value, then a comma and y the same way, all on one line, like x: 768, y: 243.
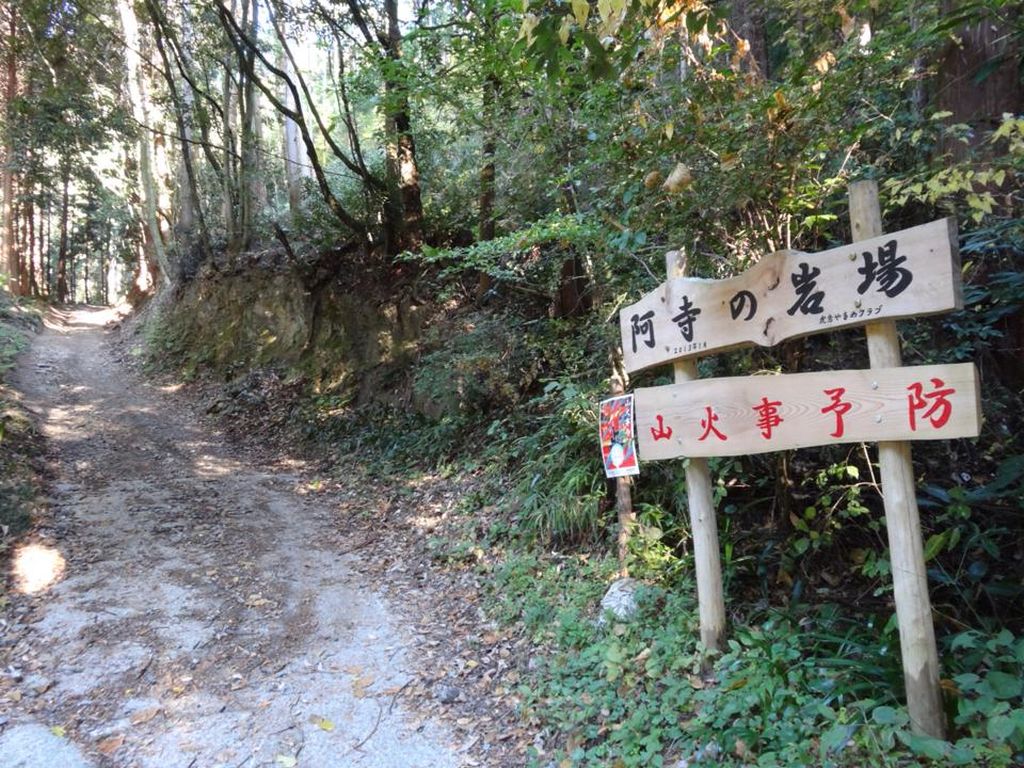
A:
x: 935, y: 404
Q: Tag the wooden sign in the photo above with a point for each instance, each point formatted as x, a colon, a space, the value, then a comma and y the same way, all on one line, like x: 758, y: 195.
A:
x: 789, y: 294
x: 756, y: 414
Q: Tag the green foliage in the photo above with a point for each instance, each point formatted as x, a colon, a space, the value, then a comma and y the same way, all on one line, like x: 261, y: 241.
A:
x: 473, y: 372
x: 559, y: 487
x: 621, y: 692
x: 834, y: 499
x: 592, y: 107
x: 989, y: 694
x: 67, y: 124
x: 970, y: 529
x: 964, y: 185
x: 18, y: 318
x: 537, y: 592
x: 815, y: 689
x: 525, y: 259
x: 810, y: 688
x: 19, y: 442
x: 990, y: 253
x: 12, y: 341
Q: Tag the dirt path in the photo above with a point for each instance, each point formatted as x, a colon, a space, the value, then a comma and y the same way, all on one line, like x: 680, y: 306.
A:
x: 186, y: 609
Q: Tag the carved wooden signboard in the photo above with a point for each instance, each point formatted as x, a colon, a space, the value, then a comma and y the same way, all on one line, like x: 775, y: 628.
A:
x: 756, y: 414
x: 788, y: 294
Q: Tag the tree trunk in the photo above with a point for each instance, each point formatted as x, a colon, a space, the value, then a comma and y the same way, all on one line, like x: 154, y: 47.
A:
x: 44, y: 251
x: 748, y: 21
x: 105, y: 264
x: 23, y: 257
x: 249, y: 110
x: 62, y: 253
x: 30, y: 249
x: 190, y: 211
x: 10, y: 253
x: 294, y: 168
x: 485, y: 210
x: 187, y: 203
x: 407, y: 231
x: 247, y: 50
x: 85, y: 277
x: 230, y: 190
x: 153, y: 253
x: 980, y: 104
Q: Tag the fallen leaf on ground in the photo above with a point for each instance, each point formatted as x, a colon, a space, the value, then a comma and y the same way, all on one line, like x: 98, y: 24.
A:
x: 58, y: 730
x: 322, y: 723
x: 359, y: 686
x: 743, y: 752
x: 680, y: 178
x: 110, y: 745
x: 145, y: 715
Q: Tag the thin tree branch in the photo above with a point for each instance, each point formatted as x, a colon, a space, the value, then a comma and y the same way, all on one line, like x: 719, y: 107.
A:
x: 238, y: 39
x: 164, y: 29
x: 356, y: 167
x: 204, y: 234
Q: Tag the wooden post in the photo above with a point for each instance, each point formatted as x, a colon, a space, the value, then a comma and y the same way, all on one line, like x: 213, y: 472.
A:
x: 703, y: 523
x: 910, y: 582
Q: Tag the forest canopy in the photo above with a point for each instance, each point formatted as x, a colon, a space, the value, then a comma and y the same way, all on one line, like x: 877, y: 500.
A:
x: 145, y: 137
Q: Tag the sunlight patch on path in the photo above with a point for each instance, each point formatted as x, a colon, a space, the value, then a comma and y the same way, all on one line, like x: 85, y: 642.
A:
x: 37, y: 567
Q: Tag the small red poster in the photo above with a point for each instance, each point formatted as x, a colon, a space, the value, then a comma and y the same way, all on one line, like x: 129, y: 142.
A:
x: 618, y: 441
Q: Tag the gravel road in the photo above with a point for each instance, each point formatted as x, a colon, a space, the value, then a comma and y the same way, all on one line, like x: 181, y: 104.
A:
x: 181, y: 608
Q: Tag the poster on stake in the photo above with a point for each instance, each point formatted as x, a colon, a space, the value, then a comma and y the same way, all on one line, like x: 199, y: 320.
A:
x: 618, y: 438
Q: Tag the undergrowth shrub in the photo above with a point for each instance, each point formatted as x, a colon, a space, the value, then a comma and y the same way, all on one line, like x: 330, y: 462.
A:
x: 988, y: 692
x: 481, y: 366
x: 559, y: 490
x: 20, y: 443
x: 811, y: 685
x: 525, y: 261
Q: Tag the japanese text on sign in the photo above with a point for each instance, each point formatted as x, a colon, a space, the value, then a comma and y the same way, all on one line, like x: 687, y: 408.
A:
x: 788, y: 293
x: 757, y: 414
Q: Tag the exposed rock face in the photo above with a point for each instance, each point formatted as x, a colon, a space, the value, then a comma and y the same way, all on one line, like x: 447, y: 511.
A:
x: 260, y: 317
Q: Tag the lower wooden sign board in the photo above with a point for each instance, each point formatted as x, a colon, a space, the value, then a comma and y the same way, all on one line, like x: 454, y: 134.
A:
x: 758, y: 414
